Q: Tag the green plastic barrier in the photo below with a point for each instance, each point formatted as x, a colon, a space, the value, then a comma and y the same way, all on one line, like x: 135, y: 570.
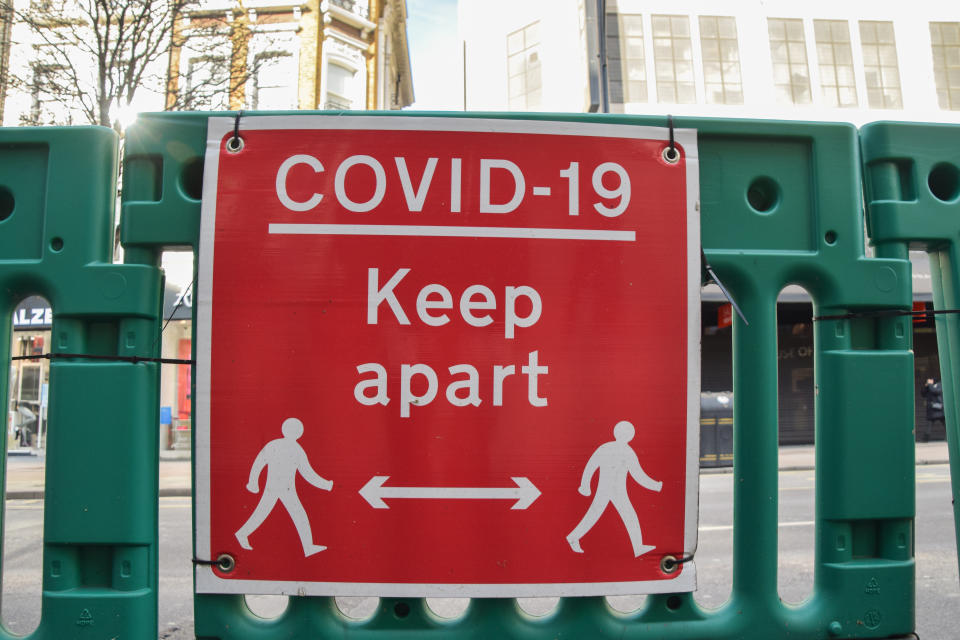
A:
x: 57, y: 201
x: 780, y: 203
x: 912, y: 185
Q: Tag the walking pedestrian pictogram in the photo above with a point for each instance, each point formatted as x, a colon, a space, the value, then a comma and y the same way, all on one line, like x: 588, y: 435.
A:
x: 283, y: 458
x: 614, y: 460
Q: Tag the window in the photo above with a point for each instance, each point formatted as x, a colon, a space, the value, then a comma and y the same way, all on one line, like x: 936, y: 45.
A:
x: 791, y: 76
x: 274, y: 81
x: 340, y: 87
x: 837, y: 83
x: 523, y: 67
x: 880, y: 65
x: 208, y: 83
x: 721, y: 60
x: 945, y: 37
x: 50, y: 97
x: 673, y: 60
x: 359, y: 7
x: 626, y: 65
x: 30, y: 383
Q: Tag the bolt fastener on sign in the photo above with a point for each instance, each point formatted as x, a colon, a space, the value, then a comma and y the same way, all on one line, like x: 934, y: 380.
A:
x: 669, y: 564
x: 226, y: 563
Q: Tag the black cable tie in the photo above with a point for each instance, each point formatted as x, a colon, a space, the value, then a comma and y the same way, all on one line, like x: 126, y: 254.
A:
x: 886, y: 313
x: 235, y: 143
x: 225, y: 562
x: 673, y: 146
x: 684, y: 559
x: 91, y: 356
x: 206, y: 562
x: 723, y: 289
x: 236, y: 125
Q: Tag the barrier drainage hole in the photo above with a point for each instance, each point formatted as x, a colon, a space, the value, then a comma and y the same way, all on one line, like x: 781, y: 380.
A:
x: 401, y: 609
x: 763, y: 194
x: 191, y: 179
x: 944, y: 182
x: 6, y: 203
x: 674, y: 602
x: 56, y: 244
x: 830, y: 238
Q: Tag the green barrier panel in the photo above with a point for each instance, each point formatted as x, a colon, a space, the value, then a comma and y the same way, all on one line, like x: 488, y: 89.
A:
x: 780, y: 203
x: 912, y: 179
x: 57, y: 200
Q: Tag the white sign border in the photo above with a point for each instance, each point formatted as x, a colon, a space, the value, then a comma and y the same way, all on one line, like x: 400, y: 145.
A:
x: 206, y: 581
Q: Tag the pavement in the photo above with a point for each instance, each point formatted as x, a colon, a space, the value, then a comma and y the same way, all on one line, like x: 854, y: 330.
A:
x: 25, y: 468
x: 25, y: 475
x: 801, y: 457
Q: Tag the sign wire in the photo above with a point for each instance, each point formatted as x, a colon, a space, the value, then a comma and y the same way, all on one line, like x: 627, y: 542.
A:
x: 673, y: 146
x: 670, y: 153
x: 92, y: 356
x: 235, y: 143
x: 887, y: 313
x: 711, y: 275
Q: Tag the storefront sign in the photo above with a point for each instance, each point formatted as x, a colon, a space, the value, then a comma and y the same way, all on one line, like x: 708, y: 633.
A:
x: 178, y: 302
x: 479, y: 374
x: 33, y: 313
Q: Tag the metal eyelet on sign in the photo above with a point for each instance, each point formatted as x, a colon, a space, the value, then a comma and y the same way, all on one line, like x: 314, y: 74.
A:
x: 226, y: 563
x: 235, y: 144
x: 669, y: 564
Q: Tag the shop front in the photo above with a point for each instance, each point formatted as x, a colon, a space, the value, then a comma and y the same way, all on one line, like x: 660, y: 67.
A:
x: 795, y: 357
x: 176, y: 427
x: 29, y: 378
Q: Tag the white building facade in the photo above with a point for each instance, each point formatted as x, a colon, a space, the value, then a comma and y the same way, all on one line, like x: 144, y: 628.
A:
x: 854, y: 62
x: 839, y: 61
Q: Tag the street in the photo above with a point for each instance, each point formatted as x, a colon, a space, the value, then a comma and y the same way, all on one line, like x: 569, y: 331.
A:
x: 938, y: 591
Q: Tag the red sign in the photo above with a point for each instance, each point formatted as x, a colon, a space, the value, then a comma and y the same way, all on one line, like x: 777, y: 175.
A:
x: 447, y: 357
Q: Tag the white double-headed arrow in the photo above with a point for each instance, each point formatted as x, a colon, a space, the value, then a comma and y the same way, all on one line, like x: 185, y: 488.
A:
x: 524, y: 493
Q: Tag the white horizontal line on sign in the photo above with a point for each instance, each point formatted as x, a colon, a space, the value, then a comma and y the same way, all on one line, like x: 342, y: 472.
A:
x: 455, y: 232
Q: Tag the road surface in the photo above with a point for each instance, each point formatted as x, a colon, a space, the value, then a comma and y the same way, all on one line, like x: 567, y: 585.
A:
x: 938, y: 590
